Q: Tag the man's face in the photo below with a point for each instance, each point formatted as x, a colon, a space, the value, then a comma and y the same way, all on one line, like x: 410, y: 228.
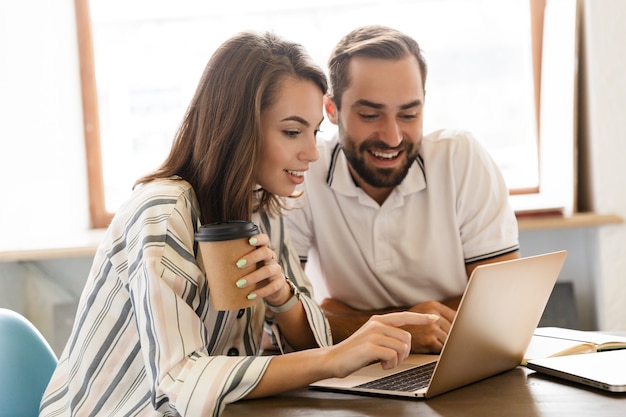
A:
x: 380, y: 122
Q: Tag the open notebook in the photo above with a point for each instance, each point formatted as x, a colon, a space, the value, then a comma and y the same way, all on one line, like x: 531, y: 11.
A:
x: 498, y: 313
x: 557, y: 341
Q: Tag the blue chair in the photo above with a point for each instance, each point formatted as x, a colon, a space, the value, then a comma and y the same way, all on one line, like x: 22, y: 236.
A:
x: 26, y: 365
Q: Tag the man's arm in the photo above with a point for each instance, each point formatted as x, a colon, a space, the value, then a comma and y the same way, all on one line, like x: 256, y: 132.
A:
x: 344, y: 320
x: 431, y: 338
x: 469, y: 268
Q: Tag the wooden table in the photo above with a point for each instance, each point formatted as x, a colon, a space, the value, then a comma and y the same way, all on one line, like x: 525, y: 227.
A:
x: 519, y: 392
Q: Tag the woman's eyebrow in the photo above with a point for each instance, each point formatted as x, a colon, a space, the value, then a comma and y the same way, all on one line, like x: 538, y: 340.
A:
x: 296, y: 119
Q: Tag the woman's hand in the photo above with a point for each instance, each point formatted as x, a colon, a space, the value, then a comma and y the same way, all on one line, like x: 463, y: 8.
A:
x: 268, y: 280
x: 380, y: 339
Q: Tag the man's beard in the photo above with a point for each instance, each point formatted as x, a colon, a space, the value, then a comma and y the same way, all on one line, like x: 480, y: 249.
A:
x: 377, y: 177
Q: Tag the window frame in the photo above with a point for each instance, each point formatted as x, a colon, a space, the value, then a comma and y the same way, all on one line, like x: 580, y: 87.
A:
x: 101, y: 217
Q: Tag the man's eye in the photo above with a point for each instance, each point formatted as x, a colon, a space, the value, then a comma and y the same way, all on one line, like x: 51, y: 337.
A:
x: 409, y: 116
x: 368, y: 116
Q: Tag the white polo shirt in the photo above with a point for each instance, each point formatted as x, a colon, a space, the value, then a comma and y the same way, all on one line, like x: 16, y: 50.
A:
x: 451, y: 209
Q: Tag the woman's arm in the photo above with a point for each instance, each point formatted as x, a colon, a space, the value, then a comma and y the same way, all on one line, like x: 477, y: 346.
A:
x: 379, y: 340
x: 291, y: 319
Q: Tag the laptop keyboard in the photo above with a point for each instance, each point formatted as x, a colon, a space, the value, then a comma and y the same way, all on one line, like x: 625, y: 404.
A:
x: 409, y: 380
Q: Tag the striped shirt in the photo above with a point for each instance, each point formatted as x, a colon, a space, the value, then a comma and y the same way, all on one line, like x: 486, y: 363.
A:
x: 146, y: 340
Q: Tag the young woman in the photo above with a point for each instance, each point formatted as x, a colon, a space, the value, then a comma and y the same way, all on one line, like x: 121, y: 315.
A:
x: 147, y: 340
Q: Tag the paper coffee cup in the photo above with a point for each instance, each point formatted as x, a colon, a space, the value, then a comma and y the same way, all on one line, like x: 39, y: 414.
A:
x: 220, y: 246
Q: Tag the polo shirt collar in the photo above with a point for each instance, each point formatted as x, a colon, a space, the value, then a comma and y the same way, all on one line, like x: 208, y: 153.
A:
x: 339, y: 179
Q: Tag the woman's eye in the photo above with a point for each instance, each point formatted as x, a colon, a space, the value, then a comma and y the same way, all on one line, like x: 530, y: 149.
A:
x: 291, y: 133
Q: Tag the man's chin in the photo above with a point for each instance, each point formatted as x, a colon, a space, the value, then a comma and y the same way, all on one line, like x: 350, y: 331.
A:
x: 377, y: 175
x: 384, y: 180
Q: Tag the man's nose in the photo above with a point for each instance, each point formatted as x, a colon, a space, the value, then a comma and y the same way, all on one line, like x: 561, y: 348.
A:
x: 391, y: 134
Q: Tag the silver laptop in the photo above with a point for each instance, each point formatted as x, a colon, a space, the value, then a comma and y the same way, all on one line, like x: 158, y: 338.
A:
x: 498, y: 313
x: 604, y: 370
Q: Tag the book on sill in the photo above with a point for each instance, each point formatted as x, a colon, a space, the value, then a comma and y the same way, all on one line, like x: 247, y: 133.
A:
x: 531, y: 213
x: 557, y: 341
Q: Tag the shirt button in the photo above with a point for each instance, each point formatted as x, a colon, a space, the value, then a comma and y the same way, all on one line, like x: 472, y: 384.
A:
x: 233, y: 352
x: 241, y: 312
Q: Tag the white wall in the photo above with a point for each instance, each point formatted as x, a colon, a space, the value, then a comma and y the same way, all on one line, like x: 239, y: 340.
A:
x: 605, y: 94
x: 41, y: 132
x: 42, y: 162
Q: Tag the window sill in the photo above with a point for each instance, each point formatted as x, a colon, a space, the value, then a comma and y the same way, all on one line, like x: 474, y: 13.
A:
x: 86, y: 244
x: 75, y: 245
x: 576, y: 220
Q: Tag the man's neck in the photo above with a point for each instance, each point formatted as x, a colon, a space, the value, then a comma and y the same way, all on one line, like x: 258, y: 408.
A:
x: 378, y: 194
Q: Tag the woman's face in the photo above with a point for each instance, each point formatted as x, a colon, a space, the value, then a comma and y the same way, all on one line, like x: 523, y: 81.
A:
x: 289, y: 127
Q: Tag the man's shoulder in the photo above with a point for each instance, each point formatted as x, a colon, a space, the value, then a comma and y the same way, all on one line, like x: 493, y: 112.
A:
x: 449, y: 137
x: 459, y: 142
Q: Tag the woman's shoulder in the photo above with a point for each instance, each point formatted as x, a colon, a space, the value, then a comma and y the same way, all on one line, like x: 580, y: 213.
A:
x: 158, y: 199
x: 163, y: 191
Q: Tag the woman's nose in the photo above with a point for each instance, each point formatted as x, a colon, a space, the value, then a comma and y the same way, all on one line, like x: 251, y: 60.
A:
x: 310, y: 152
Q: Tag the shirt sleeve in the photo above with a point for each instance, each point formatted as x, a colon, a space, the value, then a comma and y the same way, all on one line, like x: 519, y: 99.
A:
x: 487, y: 222
x: 168, y: 291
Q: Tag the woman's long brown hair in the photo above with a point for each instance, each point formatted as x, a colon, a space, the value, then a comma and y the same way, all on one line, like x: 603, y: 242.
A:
x: 218, y: 145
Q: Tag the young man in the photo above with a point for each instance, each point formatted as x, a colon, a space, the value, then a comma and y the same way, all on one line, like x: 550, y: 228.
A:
x: 390, y: 219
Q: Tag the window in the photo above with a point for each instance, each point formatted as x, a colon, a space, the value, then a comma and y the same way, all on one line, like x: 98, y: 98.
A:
x: 141, y: 61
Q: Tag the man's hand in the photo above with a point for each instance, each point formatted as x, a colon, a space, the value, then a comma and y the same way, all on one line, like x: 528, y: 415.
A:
x: 430, y: 338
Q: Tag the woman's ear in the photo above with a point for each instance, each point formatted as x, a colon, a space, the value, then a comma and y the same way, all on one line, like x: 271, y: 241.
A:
x: 330, y: 108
